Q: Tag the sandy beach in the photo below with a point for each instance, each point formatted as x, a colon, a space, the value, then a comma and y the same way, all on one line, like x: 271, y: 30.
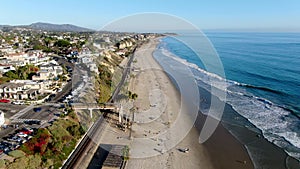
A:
x: 154, y: 144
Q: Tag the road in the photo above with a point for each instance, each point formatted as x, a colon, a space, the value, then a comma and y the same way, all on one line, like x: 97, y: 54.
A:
x: 11, y: 109
x: 77, y: 78
x: 126, y: 71
x: 68, y: 87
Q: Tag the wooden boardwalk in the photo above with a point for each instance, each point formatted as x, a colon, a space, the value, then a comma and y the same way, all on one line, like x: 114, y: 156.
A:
x: 114, y: 158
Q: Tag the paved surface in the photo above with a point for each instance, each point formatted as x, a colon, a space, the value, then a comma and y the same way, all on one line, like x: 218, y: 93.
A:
x: 126, y: 72
x: 21, y: 112
x: 68, y: 87
x: 10, y: 109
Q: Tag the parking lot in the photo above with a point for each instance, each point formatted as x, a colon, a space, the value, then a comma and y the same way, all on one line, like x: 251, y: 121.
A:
x: 10, y: 109
x: 23, y: 120
x: 33, y: 117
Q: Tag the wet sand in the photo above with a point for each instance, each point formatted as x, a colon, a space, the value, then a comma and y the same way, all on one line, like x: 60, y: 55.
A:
x: 263, y: 153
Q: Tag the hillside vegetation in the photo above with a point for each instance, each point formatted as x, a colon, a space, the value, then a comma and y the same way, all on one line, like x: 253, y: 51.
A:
x: 109, y: 75
x: 50, y: 146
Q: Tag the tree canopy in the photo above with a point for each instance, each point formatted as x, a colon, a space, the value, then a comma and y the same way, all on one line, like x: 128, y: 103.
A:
x: 23, y: 72
x: 62, y: 43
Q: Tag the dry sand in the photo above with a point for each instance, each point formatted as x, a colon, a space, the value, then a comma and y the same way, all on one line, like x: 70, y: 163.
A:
x: 157, y: 107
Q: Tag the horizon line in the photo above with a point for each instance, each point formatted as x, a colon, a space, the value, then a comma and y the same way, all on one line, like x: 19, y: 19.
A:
x: 261, y: 29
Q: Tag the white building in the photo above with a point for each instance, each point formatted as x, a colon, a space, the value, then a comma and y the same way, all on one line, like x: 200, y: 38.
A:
x: 2, y: 119
x: 86, y: 60
x: 18, y: 91
x: 48, y: 72
x: 6, y: 67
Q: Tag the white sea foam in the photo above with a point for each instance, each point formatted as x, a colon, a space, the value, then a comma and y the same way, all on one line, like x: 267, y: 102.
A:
x: 209, y: 78
x: 271, y: 119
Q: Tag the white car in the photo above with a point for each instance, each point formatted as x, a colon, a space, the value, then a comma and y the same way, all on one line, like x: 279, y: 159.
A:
x: 22, y: 135
x: 18, y: 102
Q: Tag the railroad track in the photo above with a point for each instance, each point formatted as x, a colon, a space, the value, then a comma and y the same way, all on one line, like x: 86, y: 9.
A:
x: 75, y: 157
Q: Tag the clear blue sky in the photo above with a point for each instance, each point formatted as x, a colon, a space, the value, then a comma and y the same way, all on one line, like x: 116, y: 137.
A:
x: 206, y: 14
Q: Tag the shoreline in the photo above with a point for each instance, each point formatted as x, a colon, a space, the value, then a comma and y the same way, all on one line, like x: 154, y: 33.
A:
x: 233, y: 155
x: 261, y: 152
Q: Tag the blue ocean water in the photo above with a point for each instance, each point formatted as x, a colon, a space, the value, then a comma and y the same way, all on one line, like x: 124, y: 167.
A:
x: 268, y: 63
x: 262, y: 73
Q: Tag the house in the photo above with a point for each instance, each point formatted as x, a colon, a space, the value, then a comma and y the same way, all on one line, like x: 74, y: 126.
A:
x: 121, y: 45
x: 86, y: 60
x: 17, y: 63
x: 7, y: 49
x: 93, y: 67
x: 36, y: 57
x: 42, y: 86
x: 48, y: 71
x: 29, y: 84
x: 6, y: 67
x: 44, y: 74
x: 17, y: 56
x: 18, y: 91
x: 16, y: 59
x: 121, y: 52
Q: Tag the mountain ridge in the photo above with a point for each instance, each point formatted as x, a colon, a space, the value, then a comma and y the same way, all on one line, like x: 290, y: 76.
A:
x: 50, y: 27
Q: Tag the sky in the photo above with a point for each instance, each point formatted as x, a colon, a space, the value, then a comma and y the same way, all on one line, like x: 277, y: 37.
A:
x: 282, y: 15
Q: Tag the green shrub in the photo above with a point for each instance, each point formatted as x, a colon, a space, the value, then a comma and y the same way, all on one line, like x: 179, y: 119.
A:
x: 17, y: 153
x: 2, y: 163
x: 19, y: 163
x: 34, y: 161
x: 50, y: 146
x: 125, y: 153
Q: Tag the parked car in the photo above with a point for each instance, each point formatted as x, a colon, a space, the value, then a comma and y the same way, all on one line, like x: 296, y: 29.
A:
x: 6, y: 149
x: 21, y: 134
x: 15, y: 139
x: 26, y: 129
x: 18, y: 102
x: 4, y: 101
x: 37, y: 109
x: 25, y: 132
x: 30, y: 122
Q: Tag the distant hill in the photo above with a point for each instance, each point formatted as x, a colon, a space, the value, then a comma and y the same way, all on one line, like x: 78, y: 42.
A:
x: 50, y: 27
x: 4, y: 26
x: 57, y: 27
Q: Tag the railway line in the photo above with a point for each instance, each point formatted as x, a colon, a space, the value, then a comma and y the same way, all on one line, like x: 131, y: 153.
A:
x: 76, y: 156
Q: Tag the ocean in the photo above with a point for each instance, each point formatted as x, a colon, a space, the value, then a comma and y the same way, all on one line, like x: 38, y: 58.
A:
x: 260, y: 73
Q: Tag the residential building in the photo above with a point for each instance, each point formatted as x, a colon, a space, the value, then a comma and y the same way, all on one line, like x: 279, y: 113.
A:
x: 6, y: 67
x: 18, y: 91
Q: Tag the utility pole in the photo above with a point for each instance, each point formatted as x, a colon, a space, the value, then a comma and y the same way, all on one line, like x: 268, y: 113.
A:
x: 120, y: 114
x: 132, y: 110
